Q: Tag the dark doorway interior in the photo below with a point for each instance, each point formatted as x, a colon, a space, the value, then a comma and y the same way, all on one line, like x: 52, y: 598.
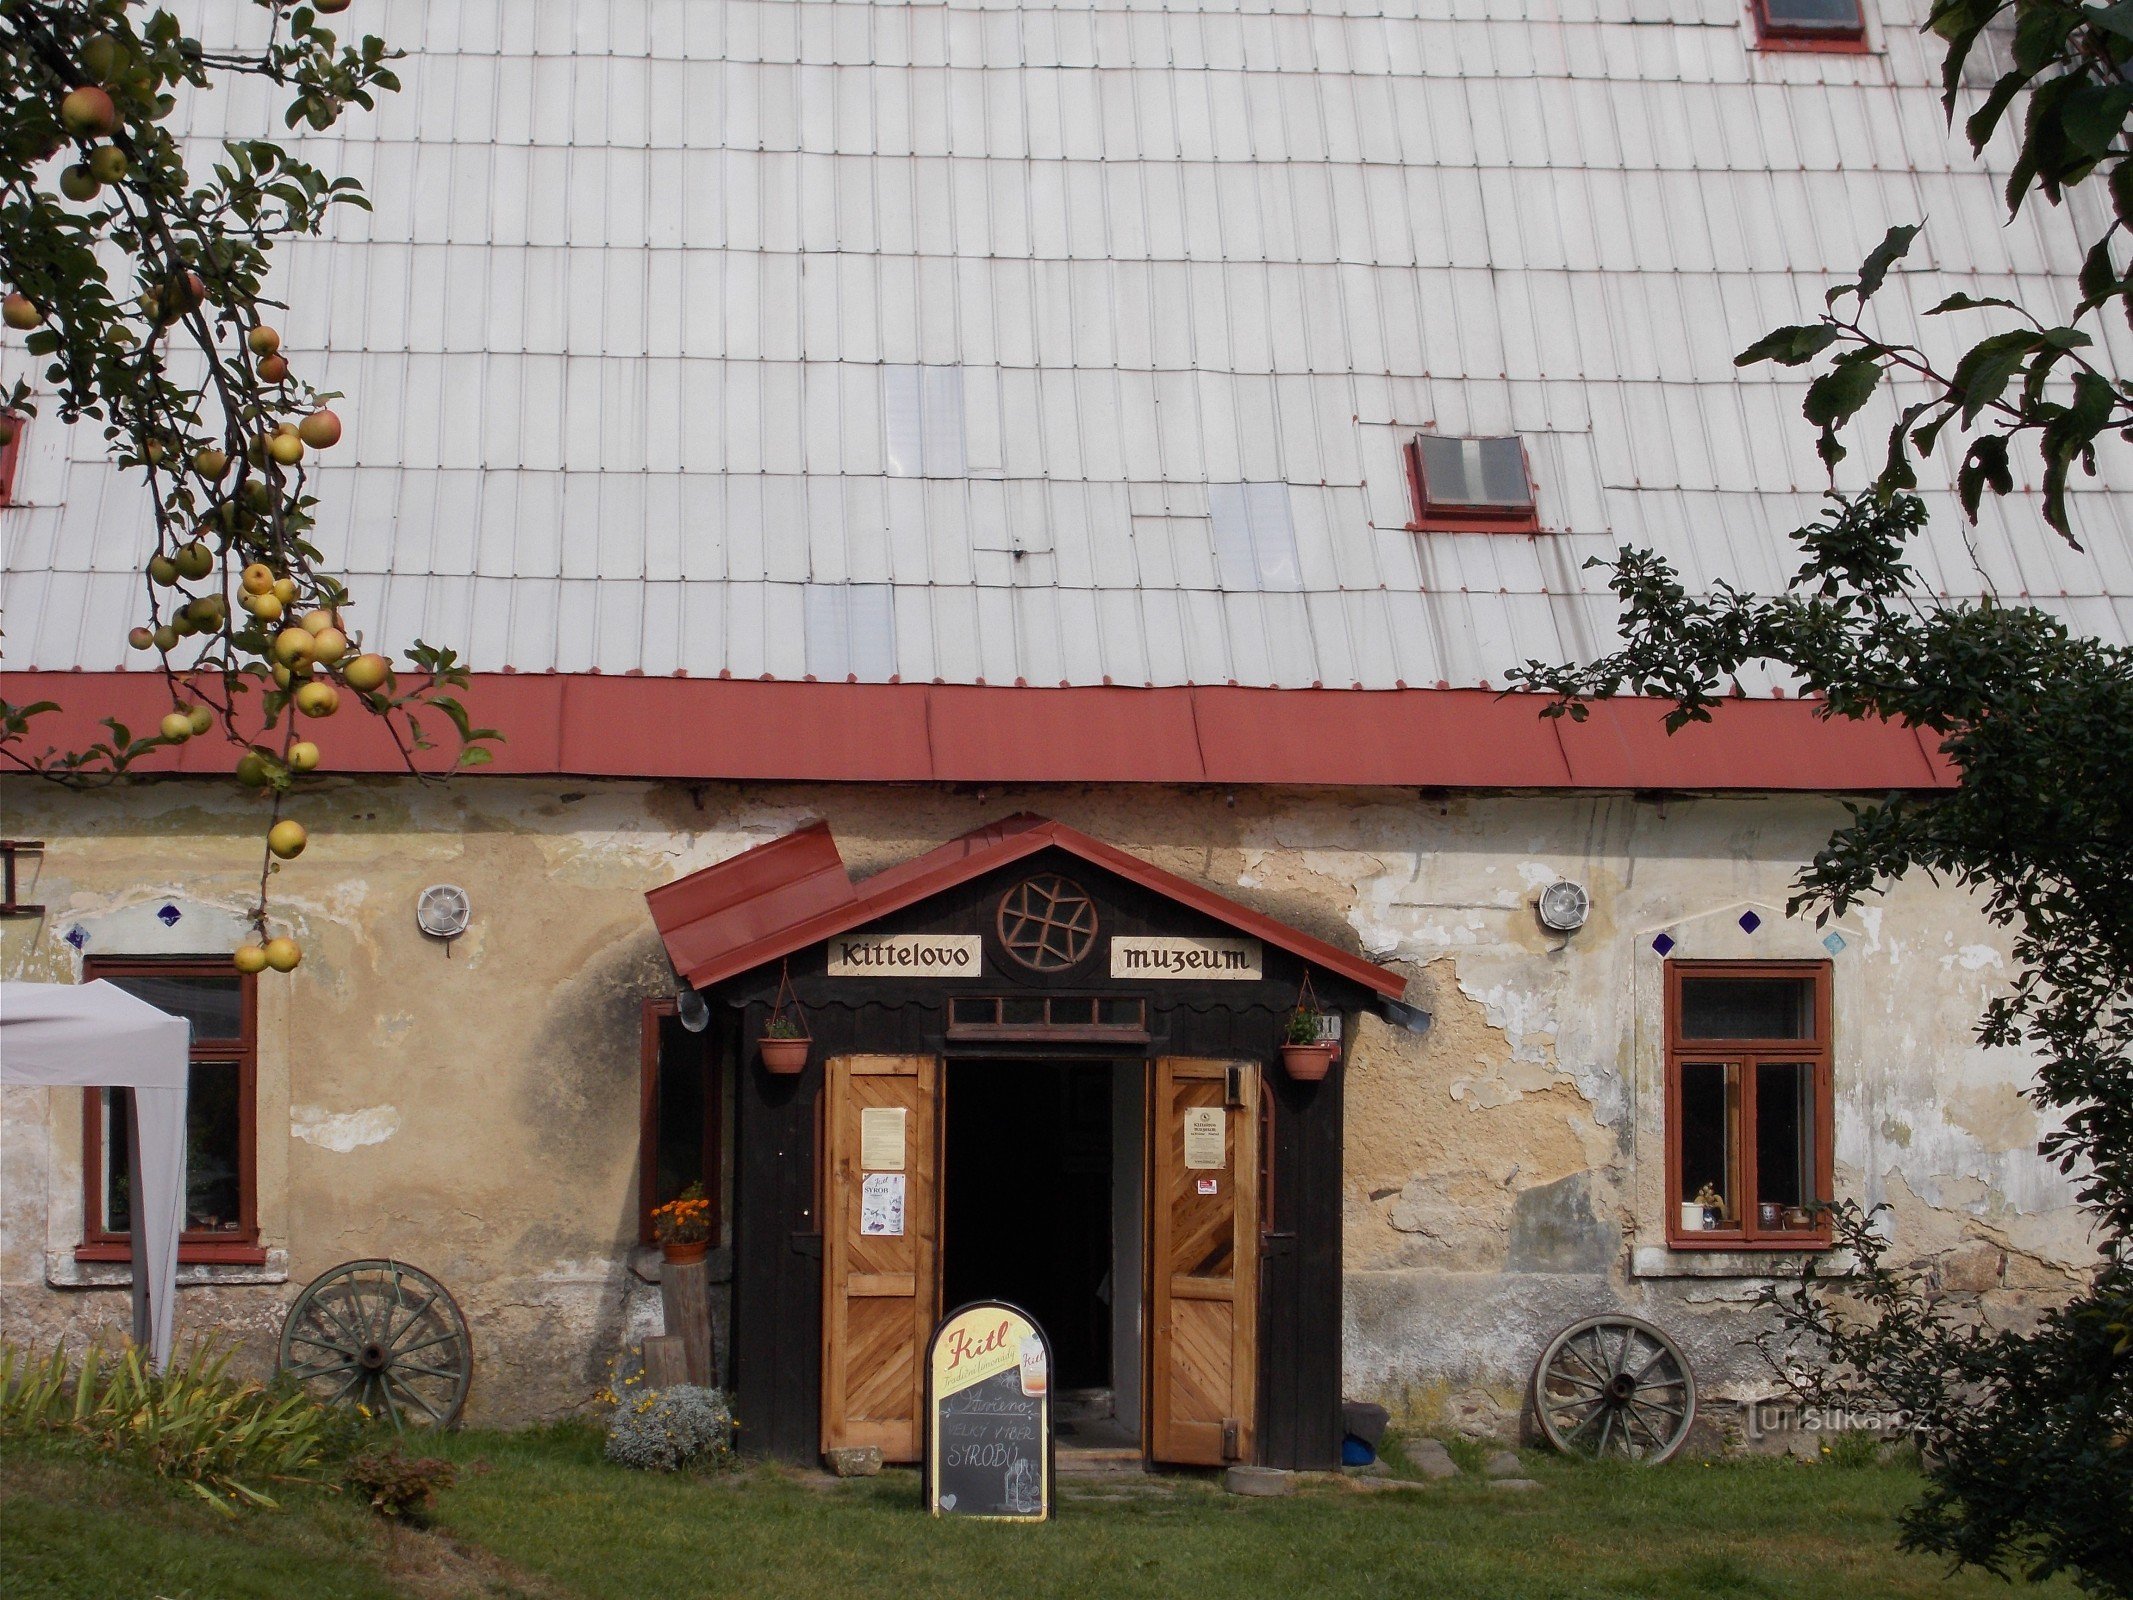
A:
x: 1026, y: 1193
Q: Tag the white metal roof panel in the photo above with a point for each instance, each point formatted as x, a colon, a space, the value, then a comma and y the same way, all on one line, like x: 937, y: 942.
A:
x: 620, y: 342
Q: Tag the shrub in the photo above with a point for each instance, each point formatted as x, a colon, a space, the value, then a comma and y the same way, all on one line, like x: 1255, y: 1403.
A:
x: 222, y: 1437
x: 663, y: 1430
x: 398, y: 1486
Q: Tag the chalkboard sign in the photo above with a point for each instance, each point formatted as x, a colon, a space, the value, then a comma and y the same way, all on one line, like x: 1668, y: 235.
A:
x: 989, y: 1415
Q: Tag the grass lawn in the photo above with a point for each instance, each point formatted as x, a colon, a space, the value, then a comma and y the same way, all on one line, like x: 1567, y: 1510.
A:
x: 542, y: 1516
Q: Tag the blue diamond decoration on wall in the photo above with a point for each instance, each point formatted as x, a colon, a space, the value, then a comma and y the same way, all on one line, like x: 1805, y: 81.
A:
x: 1749, y: 922
x: 77, y: 936
x: 1663, y: 943
x: 1834, y: 944
x: 169, y: 916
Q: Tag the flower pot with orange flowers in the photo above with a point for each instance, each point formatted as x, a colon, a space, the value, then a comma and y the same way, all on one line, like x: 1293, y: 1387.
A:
x: 683, y: 1226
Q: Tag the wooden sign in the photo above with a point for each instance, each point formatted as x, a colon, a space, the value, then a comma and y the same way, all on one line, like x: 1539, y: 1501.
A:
x: 906, y: 955
x: 989, y: 1415
x: 1162, y: 956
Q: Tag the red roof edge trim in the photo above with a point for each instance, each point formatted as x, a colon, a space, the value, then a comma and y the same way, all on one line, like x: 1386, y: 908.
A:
x: 713, y: 931
x: 730, y: 730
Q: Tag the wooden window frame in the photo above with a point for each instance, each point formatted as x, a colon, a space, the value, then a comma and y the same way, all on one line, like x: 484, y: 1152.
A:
x: 236, y: 1247
x: 1449, y: 517
x: 655, y: 1013
x: 964, y: 1010
x: 1833, y: 38
x: 1749, y: 1055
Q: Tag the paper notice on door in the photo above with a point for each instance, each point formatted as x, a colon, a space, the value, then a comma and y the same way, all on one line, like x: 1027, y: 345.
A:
x: 1204, y: 1126
x: 881, y: 1140
x: 881, y: 1204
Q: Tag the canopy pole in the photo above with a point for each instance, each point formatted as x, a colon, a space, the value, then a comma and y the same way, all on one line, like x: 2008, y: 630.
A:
x: 137, y: 1229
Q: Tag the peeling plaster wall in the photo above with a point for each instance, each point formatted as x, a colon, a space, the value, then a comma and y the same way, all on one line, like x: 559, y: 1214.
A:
x: 475, y: 1111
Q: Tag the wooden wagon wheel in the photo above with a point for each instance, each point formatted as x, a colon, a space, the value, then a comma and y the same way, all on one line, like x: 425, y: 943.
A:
x: 384, y: 1336
x: 1614, y: 1388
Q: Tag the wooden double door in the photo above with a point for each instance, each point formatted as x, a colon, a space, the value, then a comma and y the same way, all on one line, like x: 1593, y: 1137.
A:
x: 881, y: 1254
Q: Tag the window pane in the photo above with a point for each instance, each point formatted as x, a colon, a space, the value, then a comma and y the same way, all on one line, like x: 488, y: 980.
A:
x: 1710, y: 1143
x: 118, y: 1161
x: 214, y: 1185
x: 1747, y: 1008
x: 1444, y: 470
x: 1784, y: 1142
x: 1503, y: 473
x: 214, y: 1006
x: 1813, y: 13
x: 214, y: 1192
x: 683, y: 1085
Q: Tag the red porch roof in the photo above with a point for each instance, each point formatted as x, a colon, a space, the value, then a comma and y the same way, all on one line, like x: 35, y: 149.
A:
x: 793, y: 892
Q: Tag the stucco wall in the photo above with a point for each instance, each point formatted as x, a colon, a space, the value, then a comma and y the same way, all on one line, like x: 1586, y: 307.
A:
x: 476, y: 1111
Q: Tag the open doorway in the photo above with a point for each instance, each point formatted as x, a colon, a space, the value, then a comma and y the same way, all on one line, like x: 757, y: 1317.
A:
x: 1041, y: 1207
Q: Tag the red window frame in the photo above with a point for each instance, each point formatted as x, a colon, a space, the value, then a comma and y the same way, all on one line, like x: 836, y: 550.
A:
x: 1839, y: 38
x: 11, y: 456
x: 657, y: 1012
x: 1456, y: 517
x: 227, y: 1247
x: 1749, y: 1055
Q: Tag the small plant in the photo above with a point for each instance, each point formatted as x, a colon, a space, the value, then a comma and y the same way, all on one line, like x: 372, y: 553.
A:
x: 220, y: 1436
x: 665, y: 1430
x: 685, y: 1219
x: 1302, y: 1026
x: 400, y: 1487
x: 783, y: 1028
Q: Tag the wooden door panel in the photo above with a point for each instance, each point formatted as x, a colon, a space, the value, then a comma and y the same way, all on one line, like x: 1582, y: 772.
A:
x: 1204, y: 1267
x: 877, y: 1289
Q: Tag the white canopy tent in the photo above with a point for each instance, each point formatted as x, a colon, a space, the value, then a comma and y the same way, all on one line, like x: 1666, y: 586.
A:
x: 96, y: 1035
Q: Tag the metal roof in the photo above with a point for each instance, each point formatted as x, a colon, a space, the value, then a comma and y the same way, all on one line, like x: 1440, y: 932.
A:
x: 718, y: 729
x: 783, y: 896
x: 1007, y: 343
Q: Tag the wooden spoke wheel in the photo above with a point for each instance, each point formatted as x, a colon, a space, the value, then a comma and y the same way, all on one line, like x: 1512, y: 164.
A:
x: 1614, y: 1389
x: 384, y: 1336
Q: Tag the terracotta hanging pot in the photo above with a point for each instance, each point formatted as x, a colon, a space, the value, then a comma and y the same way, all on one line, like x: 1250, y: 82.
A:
x: 1308, y: 1063
x: 784, y: 1044
x: 681, y: 1253
x: 785, y: 1057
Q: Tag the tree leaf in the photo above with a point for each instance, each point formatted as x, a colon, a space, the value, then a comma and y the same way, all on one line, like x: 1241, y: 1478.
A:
x: 1895, y: 244
x: 1791, y: 347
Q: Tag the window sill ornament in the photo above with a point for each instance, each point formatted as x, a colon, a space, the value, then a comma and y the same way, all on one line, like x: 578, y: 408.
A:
x: 785, y: 1044
x: 1305, y: 1055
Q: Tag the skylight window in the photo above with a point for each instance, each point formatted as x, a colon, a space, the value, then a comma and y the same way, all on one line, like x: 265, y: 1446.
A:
x: 851, y: 632
x: 1835, y: 21
x: 1471, y: 484
x: 1255, y: 536
x: 922, y: 422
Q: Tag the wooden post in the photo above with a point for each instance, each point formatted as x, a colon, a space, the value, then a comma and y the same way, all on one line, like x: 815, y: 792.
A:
x: 666, y: 1361
x: 685, y: 1298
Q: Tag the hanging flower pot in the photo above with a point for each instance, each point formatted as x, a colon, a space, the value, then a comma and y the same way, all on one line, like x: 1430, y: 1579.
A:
x: 785, y: 1044
x: 784, y: 1054
x: 1308, y: 1063
x: 1305, y: 1055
